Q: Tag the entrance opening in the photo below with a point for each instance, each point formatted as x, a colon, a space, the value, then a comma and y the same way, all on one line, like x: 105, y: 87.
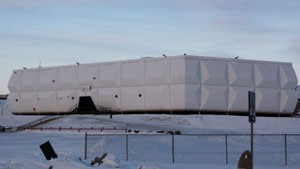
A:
x: 86, y: 104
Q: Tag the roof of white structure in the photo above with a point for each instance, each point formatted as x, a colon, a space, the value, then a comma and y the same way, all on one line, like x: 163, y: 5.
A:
x: 171, y: 57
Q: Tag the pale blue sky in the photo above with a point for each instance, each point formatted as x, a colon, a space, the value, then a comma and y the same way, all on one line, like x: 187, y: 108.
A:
x: 59, y: 32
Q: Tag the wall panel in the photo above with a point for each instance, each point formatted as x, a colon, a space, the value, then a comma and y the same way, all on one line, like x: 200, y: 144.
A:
x: 157, y: 97
x: 132, y: 98
x: 238, y: 99
x: 48, y: 79
x: 47, y: 101
x: 14, y: 83
x: 109, y: 75
x: 214, y: 72
x: 157, y: 72
x: 67, y: 77
x: 267, y: 75
x: 288, y: 78
x: 133, y: 74
x: 66, y: 100
x: 29, y: 102
x: 14, y: 102
x: 87, y: 76
x: 288, y: 100
x: 241, y: 74
x: 214, y: 98
x: 109, y: 97
x: 29, y: 80
x: 267, y: 100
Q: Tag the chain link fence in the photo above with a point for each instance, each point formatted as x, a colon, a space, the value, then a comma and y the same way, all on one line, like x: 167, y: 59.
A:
x: 281, y: 149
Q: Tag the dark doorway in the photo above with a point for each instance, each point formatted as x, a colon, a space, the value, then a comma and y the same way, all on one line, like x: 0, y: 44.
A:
x: 86, y: 104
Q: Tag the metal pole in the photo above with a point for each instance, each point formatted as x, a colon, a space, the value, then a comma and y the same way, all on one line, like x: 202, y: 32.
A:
x: 85, y: 145
x: 173, y: 159
x: 285, y: 150
x: 252, y: 145
x: 126, y: 147
x: 226, y: 148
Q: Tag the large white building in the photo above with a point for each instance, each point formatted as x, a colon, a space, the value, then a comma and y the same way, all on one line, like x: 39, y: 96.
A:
x: 167, y: 84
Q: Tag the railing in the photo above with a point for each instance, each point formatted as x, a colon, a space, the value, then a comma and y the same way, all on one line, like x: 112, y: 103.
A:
x: 76, y: 129
x: 194, y: 148
x: 30, y: 124
x: 35, y: 122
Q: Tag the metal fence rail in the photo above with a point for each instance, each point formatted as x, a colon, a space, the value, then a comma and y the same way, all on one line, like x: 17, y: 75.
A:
x: 221, y: 137
x: 100, y: 129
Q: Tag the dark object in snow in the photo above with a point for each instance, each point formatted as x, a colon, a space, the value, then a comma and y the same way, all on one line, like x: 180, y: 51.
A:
x: 160, y: 131
x: 129, y: 131
x: 48, y: 150
x: 2, y: 129
x: 245, y: 161
x: 136, y: 131
x: 99, y: 160
x: 51, y: 167
x: 178, y: 132
x: 170, y: 132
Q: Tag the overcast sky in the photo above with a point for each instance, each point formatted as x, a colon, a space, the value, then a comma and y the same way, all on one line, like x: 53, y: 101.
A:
x: 59, y: 32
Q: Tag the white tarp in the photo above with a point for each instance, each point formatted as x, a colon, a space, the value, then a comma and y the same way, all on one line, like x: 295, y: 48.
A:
x: 180, y: 83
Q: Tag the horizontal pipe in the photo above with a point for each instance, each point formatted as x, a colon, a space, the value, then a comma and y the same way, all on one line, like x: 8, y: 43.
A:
x: 71, y: 128
x: 212, y: 135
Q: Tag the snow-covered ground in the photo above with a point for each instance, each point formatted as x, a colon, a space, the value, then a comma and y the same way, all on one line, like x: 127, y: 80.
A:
x: 21, y: 149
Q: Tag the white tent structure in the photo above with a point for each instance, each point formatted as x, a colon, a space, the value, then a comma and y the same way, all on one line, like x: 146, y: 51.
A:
x: 168, y: 84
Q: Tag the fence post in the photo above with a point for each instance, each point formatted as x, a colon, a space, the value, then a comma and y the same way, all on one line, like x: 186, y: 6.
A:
x: 173, y: 158
x: 85, y: 145
x: 126, y: 147
x: 285, y: 150
x: 226, y: 149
